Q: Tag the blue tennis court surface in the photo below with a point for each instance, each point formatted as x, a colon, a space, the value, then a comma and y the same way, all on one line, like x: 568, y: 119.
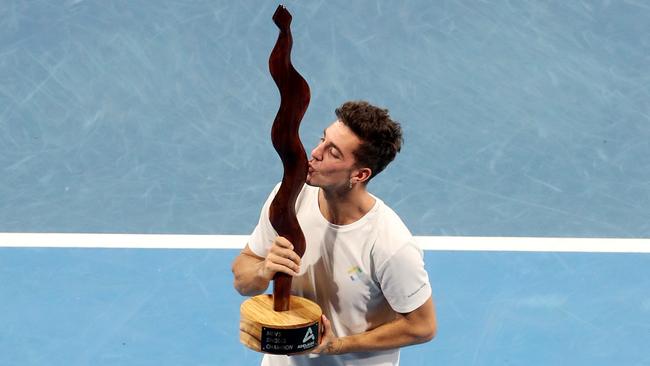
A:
x: 177, y: 307
x: 521, y: 119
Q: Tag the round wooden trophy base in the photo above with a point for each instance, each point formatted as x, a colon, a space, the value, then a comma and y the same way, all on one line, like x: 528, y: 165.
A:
x: 263, y: 329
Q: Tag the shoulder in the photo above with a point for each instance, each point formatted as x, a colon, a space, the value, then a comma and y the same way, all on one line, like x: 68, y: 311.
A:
x: 308, y: 190
x: 307, y: 196
x: 391, y: 225
x: 392, y: 234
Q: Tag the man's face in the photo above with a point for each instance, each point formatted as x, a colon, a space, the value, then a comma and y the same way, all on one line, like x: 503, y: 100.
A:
x: 332, y: 160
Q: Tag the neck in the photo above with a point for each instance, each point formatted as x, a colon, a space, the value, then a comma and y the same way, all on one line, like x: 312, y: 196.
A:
x: 343, y: 207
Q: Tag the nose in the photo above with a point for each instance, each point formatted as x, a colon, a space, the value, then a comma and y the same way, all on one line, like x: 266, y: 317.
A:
x: 317, y: 152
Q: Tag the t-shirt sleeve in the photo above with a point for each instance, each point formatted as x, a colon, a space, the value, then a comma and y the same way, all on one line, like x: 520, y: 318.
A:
x: 264, y: 234
x: 403, y: 279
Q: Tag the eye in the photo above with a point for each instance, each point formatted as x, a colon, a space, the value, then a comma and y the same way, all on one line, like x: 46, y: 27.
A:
x: 333, y: 152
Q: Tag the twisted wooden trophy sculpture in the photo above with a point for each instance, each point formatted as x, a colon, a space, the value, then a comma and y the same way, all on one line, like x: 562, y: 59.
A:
x: 284, y: 324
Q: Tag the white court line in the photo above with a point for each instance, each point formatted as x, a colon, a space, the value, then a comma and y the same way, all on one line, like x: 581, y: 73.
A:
x: 438, y: 243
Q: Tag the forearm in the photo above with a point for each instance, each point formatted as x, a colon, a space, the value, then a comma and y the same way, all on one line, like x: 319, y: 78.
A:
x: 254, y: 273
x: 247, y: 271
x: 418, y: 326
x: 395, y: 334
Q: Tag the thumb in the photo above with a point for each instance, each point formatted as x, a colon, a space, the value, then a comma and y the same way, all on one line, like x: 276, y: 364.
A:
x: 326, y: 326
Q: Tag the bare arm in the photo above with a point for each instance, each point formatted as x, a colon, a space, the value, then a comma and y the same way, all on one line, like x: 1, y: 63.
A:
x: 254, y: 273
x: 418, y: 326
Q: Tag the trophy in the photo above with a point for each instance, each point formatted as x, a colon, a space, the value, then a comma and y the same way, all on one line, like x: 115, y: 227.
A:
x: 282, y: 323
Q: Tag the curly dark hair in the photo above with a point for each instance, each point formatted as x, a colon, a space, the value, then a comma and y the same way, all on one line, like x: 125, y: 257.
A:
x: 381, y: 137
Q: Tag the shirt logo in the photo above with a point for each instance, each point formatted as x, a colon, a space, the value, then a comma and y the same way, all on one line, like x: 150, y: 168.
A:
x: 355, y: 273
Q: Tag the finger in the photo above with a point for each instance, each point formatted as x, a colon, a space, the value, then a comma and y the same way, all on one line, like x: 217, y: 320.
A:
x: 318, y: 349
x: 284, y: 263
x: 285, y: 253
x: 283, y: 242
x: 325, y: 337
x: 292, y: 256
x: 285, y: 259
x: 327, y: 326
x: 272, y: 267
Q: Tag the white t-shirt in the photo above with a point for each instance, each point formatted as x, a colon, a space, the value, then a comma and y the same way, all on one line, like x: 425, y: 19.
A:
x: 360, y: 274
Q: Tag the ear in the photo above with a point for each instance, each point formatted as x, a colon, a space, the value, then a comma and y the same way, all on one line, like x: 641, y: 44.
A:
x: 361, y: 175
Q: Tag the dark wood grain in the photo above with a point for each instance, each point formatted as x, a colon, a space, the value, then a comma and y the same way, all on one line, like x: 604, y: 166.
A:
x: 294, y: 99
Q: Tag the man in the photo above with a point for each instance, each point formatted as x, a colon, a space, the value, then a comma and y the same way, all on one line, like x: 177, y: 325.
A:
x: 361, y: 264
